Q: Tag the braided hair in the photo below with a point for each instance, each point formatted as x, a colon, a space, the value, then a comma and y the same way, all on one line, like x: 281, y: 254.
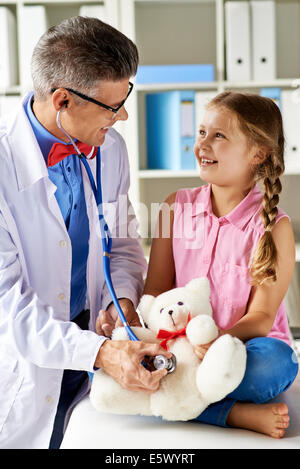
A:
x: 261, y: 121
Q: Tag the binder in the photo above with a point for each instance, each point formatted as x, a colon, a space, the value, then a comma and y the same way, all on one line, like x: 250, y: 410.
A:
x: 189, y: 73
x: 263, y: 40
x: 202, y: 98
x: 170, y: 130
x: 187, y: 158
x: 33, y: 23
x: 291, y: 117
x: 272, y: 93
x: 8, y: 49
x: 238, y: 50
x: 93, y: 11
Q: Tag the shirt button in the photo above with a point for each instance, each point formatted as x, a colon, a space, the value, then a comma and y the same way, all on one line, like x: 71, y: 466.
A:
x: 49, y: 399
x: 61, y: 296
x: 62, y: 243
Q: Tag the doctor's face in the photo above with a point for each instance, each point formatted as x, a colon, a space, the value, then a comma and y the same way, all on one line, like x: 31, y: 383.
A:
x: 89, y: 123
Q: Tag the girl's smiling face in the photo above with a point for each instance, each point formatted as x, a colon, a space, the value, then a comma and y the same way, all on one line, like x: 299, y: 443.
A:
x: 223, y: 151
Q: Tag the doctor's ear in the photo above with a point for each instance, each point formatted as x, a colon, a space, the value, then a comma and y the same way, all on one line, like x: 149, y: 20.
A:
x: 60, y: 99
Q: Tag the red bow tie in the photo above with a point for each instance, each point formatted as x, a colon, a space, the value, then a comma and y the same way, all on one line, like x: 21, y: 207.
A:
x: 59, y: 151
x: 168, y: 335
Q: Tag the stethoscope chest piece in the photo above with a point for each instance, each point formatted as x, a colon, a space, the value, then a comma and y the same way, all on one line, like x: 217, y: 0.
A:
x: 160, y: 362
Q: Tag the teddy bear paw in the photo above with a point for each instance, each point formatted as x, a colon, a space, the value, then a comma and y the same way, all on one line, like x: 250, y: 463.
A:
x: 201, y: 329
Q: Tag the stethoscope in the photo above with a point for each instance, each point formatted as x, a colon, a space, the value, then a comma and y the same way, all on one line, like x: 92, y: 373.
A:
x: 160, y: 361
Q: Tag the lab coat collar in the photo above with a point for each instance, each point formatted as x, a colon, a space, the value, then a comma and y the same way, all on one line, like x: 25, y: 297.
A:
x: 28, y: 159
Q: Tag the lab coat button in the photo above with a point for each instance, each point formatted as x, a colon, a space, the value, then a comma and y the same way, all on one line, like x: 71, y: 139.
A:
x: 49, y: 399
x: 62, y: 243
x: 61, y: 296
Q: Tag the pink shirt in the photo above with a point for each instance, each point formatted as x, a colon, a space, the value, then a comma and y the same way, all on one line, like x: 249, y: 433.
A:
x: 221, y: 249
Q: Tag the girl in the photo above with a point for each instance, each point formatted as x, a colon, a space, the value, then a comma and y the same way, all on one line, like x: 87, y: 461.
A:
x: 244, y: 244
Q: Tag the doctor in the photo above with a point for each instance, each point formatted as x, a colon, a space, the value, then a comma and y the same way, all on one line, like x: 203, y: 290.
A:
x: 51, y: 279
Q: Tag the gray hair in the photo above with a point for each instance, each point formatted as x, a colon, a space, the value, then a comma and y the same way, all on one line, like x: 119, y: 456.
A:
x: 78, y: 53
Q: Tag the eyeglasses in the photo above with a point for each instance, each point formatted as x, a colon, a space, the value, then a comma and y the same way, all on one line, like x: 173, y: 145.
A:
x: 114, y: 110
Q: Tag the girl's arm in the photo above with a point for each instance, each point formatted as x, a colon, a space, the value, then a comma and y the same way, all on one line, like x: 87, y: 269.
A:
x: 265, y: 300
x: 161, y: 270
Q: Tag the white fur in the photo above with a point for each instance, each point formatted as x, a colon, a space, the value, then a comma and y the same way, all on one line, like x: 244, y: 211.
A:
x: 186, y: 392
x: 201, y: 329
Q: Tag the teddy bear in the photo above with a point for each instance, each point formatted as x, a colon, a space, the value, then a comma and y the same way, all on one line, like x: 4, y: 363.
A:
x: 182, y: 317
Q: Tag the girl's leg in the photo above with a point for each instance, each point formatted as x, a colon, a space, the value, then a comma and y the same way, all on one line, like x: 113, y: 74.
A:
x: 271, y: 369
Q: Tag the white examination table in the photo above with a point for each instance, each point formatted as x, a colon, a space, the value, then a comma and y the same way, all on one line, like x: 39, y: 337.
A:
x: 89, y: 429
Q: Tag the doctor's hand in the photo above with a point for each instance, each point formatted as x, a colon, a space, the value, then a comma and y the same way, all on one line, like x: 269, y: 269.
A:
x: 122, y: 360
x: 108, y: 320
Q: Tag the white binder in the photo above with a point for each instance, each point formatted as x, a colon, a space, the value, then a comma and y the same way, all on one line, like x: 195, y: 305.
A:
x: 33, y: 23
x: 94, y: 11
x: 202, y: 98
x: 8, y: 48
x: 238, y: 58
x: 263, y: 40
x: 290, y: 105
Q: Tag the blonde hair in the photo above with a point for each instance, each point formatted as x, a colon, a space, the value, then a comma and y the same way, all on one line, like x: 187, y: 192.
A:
x: 261, y: 122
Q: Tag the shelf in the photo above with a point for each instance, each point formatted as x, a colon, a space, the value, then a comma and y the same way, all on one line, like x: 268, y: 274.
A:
x: 167, y: 173
x: 173, y: 1
x: 170, y: 173
x: 279, y: 83
x: 10, y: 90
x: 48, y: 2
x: 211, y: 85
x: 61, y: 2
x: 205, y: 85
x: 290, y: 172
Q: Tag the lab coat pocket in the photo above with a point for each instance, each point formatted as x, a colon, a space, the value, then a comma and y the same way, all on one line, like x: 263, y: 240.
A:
x: 235, y: 290
x: 10, y: 383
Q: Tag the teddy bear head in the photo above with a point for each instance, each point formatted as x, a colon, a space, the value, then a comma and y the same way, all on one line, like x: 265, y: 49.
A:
x: 171, y: 310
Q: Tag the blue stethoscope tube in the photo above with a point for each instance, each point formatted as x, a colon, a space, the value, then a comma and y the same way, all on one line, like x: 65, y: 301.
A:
x: 160, y: 361
x: 106, y: 239
x: 104, y: 230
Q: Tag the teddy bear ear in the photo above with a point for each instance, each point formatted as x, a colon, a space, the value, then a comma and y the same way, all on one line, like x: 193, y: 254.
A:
x: 145, y: 306
x: 201, y: 283
x: 198, y: 294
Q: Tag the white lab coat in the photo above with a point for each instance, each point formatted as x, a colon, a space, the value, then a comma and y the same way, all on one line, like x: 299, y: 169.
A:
x: 37, y: 340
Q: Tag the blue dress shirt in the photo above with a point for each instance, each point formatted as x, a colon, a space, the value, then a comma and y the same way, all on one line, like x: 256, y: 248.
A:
x: 67, y: 177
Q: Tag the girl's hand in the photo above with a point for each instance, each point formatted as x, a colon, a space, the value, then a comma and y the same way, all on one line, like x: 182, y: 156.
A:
x: 200, y: 350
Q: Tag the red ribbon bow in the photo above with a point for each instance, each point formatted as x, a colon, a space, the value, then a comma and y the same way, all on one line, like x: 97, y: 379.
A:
x: 168, y: 335
x: 59, y: 151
